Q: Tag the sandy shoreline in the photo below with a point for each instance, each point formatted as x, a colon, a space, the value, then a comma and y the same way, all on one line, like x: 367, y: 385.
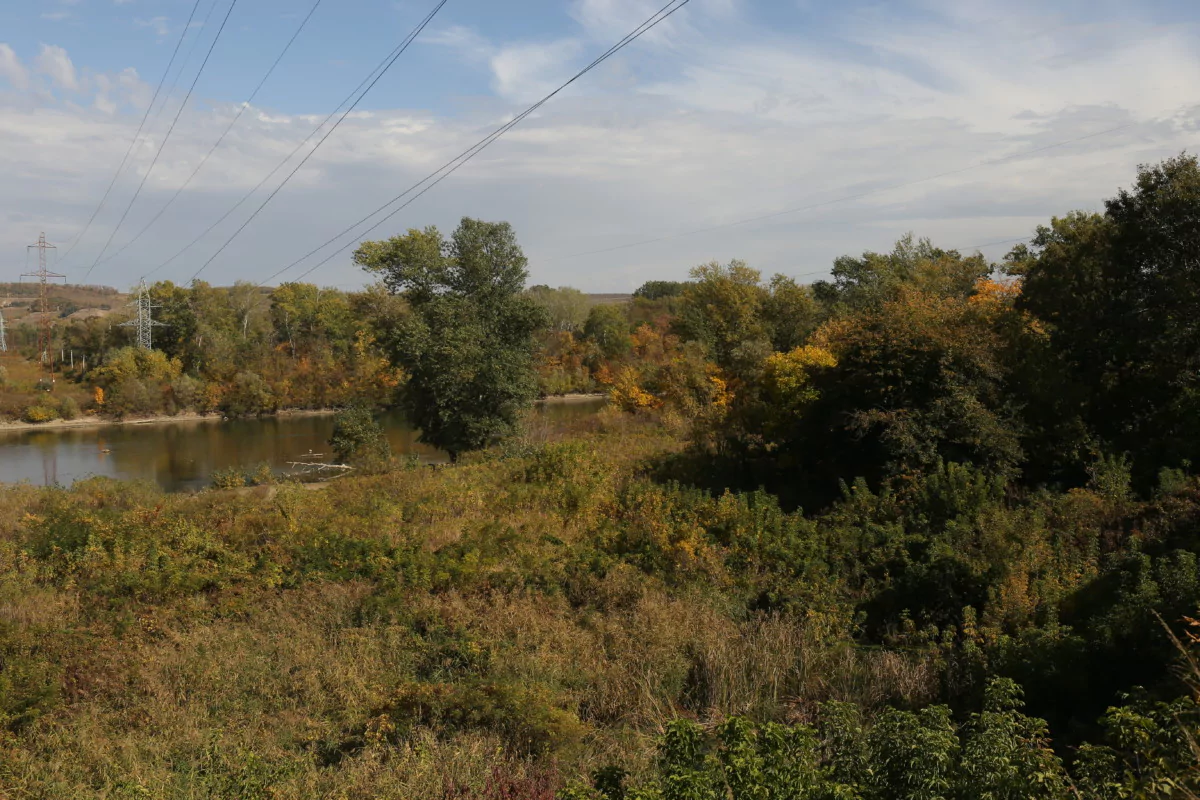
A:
x: 192, y: 416
x: 187, y: 416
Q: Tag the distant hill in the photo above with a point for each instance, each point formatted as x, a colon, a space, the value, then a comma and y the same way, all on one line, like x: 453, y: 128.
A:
x: 607, y: 299
x: 20, y: 299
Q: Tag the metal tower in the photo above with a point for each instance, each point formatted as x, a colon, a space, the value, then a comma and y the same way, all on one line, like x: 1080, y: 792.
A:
x: 3, y: 341
x: 43, y: 275
x: 143, y: 318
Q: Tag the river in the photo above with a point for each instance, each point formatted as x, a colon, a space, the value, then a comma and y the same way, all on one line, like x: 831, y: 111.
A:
x: 181, y: 456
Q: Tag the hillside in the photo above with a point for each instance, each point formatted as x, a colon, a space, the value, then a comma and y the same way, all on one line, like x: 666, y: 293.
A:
x: 20, y: 299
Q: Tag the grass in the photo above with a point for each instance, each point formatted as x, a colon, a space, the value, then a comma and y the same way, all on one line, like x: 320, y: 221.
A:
x: 19, y: 389
x: 388, y: 636
x: 486, y: 630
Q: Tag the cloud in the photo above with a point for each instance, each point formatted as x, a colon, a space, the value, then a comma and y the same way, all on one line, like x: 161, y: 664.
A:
x: 525, y: 72
x: 54, y: 63
x: 159, y: 24
x: 11, y: 68
x: 466, y: 40
x: 970, y: 123
x: 56, y: 16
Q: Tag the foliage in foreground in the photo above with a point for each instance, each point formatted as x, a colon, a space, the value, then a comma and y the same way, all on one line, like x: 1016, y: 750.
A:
x: 916, y: 755
x: 533, y: 616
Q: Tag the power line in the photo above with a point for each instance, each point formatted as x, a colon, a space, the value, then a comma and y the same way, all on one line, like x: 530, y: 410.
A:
x: 221, y: 138
x: 452, y: 166
x: 399, y: 52
x: 137, y: 135
x: 847, y: 198
x: 166, y: 138
x: 382, y: 64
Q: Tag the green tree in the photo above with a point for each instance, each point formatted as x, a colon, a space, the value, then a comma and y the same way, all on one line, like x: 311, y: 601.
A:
x: 790, y: 313
x: 248, y: 394
x: 359, y: 439
x: 180, y: 325
x: 467, y: 346
x: 607, y: 326
x: 875, y: 278
x: 1120, y: 297
x: 722, y: 309
x: 566, y: 308
x: 657, y: 290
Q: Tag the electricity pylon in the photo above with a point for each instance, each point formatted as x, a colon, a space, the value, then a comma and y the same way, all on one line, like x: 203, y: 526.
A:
x: 3, y: 341
x: 43, y: 275
x: 143, y: 319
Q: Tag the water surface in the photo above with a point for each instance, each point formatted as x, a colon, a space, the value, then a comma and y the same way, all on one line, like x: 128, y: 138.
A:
x: 182, y: 455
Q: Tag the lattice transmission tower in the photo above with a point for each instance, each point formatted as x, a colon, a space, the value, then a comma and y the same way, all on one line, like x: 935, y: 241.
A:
x: 3, y: 341
x: 44, y: 276
x: 143, y: 319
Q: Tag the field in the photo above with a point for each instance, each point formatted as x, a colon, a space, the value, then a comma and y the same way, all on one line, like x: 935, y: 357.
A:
x: 512, y: 624
x: 20, y: 299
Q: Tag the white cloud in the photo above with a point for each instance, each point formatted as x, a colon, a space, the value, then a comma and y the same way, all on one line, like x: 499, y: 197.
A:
x: 467, y: 41
x: 11, y: 68
x: 718, y: 127
x: 158, y: 24
x: 54, y: 63
x: 56, y: 16
x: 526, y: 72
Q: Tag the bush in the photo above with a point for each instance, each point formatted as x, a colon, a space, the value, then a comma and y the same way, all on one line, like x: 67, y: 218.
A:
x: 131, y: 396
x: 3, y: 377
x: 68, y: 408
x: 186, y: 391
x: 358, y: 439
x: 39, y: 412
x: 248, y: 395
x: 263, y: 475
x: 229, y: 478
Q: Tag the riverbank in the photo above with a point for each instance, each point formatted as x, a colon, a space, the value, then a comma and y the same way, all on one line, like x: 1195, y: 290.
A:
x: 193, y: 416
x: 186, y: 416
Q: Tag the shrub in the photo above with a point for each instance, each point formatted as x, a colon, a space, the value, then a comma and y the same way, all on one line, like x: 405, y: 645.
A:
x: 249, y: 394
x: 131, y: 396
x: 40, y: 412
x: 186, y: 391
x: 229, y: 478
x: 68, y: 408
x: 358, y: 439
x: 263, y: 475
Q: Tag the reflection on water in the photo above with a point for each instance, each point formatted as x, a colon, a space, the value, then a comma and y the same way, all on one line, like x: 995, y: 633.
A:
x: 181, y: 456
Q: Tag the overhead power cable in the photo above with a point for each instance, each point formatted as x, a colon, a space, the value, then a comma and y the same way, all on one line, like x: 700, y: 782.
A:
x: 166, y: 138
x: 221, y: 138
x: 847, y: 198
x: 276, y: 169
x: 201, y: 27
x: 397, y: 53
x: 136, y: 136
x: 447, y: 169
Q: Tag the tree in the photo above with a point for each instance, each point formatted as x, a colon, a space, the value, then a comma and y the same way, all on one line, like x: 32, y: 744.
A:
x: 467, y: 345
x: 248, y: 394
x: 1119, y: 295
x: 607, y: 326
x: 722, y: 309
x: 358, y: 439
x: 867, y: 282
x: 657, y: 290
x: 566, y: 308
x: 790, y: 313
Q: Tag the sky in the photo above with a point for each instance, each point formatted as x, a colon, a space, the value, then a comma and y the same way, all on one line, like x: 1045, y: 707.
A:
x: 781, y: 132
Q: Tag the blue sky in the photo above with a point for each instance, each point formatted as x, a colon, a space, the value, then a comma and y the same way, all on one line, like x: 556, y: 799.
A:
x: 733, y: 109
